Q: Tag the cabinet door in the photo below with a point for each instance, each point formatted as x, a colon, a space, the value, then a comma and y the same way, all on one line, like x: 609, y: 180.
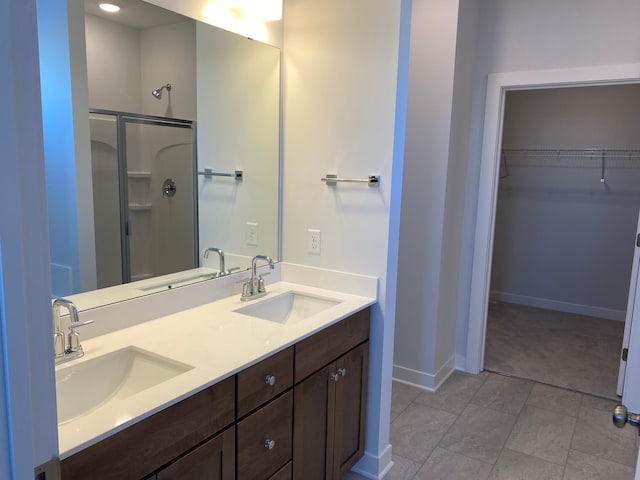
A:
x: 350, y: 409
x: 313, y: 425
x: 213, y: 460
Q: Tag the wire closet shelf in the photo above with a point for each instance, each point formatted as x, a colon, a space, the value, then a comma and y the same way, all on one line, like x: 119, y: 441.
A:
x: 602, y: 158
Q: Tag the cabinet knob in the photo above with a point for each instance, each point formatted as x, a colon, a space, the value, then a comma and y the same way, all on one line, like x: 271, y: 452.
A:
x: 270, y: 380
x: 342, y: 371
x: 334, y: 377
x: 269, y: 444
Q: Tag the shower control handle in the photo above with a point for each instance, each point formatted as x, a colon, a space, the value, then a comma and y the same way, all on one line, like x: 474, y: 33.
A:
x: 169, y: 188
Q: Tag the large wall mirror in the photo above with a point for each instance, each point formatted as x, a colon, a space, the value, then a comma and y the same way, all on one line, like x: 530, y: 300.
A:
x: 183, y: 121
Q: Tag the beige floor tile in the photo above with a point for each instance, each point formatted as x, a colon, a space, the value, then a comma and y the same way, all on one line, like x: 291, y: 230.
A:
x: 454, y: 395
x: 403, y: 469
x: 555, y: 399
x: 598, y: 403
x: 417, y: 431
x: 479, y: 433
x: 446, y: 465
x: 597, y: 436
x: 543, y: 434
x: 581, y: 466
x: 515, y: 465
x: 402, y: 395
x: 504, y: 394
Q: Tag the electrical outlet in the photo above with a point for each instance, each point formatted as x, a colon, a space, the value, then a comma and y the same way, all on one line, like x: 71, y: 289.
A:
x: 313, y: 241
x: 252, y: 233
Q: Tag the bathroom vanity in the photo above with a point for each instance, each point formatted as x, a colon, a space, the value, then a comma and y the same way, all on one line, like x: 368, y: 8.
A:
x: 287, y: 403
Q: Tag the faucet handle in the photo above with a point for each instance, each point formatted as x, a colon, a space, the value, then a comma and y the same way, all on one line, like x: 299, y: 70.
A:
x: 73, y: 326
x: 74, y: 338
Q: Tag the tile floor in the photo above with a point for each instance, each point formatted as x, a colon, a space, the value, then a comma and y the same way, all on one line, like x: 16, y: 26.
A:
x: 494, y: 427
x: 548, y: 346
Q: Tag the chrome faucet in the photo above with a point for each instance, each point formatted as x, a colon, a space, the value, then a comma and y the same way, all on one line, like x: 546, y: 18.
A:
x: 220, y: 253
x: 223, y: 271
x: 72, y: 349
x: 254, y: 287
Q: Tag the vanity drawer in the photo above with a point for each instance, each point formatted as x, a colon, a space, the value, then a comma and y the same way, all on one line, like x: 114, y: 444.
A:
x: 264, y: 381
x: 324, y: 347
x: 257, y: 460
x: 151, y: 443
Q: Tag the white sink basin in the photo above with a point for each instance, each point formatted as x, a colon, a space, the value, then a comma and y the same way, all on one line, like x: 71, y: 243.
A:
x: 289, y: 307
x: 83, y: 387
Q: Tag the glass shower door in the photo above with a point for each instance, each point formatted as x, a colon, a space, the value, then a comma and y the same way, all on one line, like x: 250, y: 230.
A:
x: 160, y: 197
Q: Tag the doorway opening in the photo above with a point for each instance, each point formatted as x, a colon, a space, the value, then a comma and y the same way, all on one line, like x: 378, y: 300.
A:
x: 494, y: 165
x: 566, y: 213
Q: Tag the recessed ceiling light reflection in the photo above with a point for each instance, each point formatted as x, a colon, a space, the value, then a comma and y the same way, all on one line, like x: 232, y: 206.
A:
x: 109, y: 7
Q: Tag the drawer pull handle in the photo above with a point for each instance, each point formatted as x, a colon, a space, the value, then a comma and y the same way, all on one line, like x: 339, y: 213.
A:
x: 334, y: 377
x: 269, y: 444
x: 270, y: 380
x: 342, y: 371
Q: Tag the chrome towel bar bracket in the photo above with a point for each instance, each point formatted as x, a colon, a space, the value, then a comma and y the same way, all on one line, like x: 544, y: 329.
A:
x: 237, y: 175
x: 332, y: 179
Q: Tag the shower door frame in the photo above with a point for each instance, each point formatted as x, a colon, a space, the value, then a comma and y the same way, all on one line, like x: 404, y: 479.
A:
x: 122, y: 118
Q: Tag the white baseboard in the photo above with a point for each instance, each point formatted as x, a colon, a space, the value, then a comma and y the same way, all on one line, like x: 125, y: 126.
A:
x: 374, y: 467
x: 461, y: 362
x: 591, y: 310
x: 426, y: 381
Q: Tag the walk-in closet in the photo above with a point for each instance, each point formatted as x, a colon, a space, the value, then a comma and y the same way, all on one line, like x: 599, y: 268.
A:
x: 565, y: 233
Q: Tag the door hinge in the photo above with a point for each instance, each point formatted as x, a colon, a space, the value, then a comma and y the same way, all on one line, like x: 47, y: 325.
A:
x: 48, y: 471
x: 625, y: 354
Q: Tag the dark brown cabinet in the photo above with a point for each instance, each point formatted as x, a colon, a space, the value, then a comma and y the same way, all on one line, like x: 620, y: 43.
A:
x: 330, y: 404
x: 264, y: 439
x: 298, y: 414
x: 213, y: 460
x: 146, y: 446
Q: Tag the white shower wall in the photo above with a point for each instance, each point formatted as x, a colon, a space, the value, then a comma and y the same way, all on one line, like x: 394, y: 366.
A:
x: 564, y: 240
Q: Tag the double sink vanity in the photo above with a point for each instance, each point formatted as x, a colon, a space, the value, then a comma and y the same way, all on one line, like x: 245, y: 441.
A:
x: 273, y: 388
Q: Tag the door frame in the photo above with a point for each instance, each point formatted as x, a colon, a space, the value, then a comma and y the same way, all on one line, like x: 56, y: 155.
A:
x: 497, y: 86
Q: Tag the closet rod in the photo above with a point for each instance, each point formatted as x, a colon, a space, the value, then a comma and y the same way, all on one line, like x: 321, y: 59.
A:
x: 596, y: 153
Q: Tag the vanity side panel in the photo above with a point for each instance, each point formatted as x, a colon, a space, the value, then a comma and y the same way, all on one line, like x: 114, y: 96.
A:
x: 153, y: 442
x: 313, y: 353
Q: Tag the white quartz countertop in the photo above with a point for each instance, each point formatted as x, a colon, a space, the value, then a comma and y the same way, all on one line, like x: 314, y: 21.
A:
x: 213, y: 339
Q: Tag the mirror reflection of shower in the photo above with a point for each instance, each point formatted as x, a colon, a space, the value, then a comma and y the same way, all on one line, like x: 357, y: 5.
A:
x: 158, y: 93
x: 140, y: 231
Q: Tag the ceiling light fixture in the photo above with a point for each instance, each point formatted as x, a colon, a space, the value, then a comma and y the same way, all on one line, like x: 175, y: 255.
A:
x: 109, y: 7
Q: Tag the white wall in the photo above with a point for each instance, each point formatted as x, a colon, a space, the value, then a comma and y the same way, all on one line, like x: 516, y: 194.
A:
x: 229, y: 18
x: 563, y: 240
x: 523, y: 35
x: 342, y: 62
x: 168, y: 55
x: 238, y: 129
x: 28, y: 430
x: 113, y: 65
x: 425, y: 330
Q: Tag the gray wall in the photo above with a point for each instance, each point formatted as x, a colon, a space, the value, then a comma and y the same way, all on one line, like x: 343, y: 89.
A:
x: 441, y: 184
x: 518, y: 35
x: 563, y: 240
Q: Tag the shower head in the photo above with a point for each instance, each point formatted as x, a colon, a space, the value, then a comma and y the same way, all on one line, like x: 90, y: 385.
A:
x: 158, y: 93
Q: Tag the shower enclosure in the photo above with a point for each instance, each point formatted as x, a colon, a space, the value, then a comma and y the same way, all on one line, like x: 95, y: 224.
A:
x: 144, y: 195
